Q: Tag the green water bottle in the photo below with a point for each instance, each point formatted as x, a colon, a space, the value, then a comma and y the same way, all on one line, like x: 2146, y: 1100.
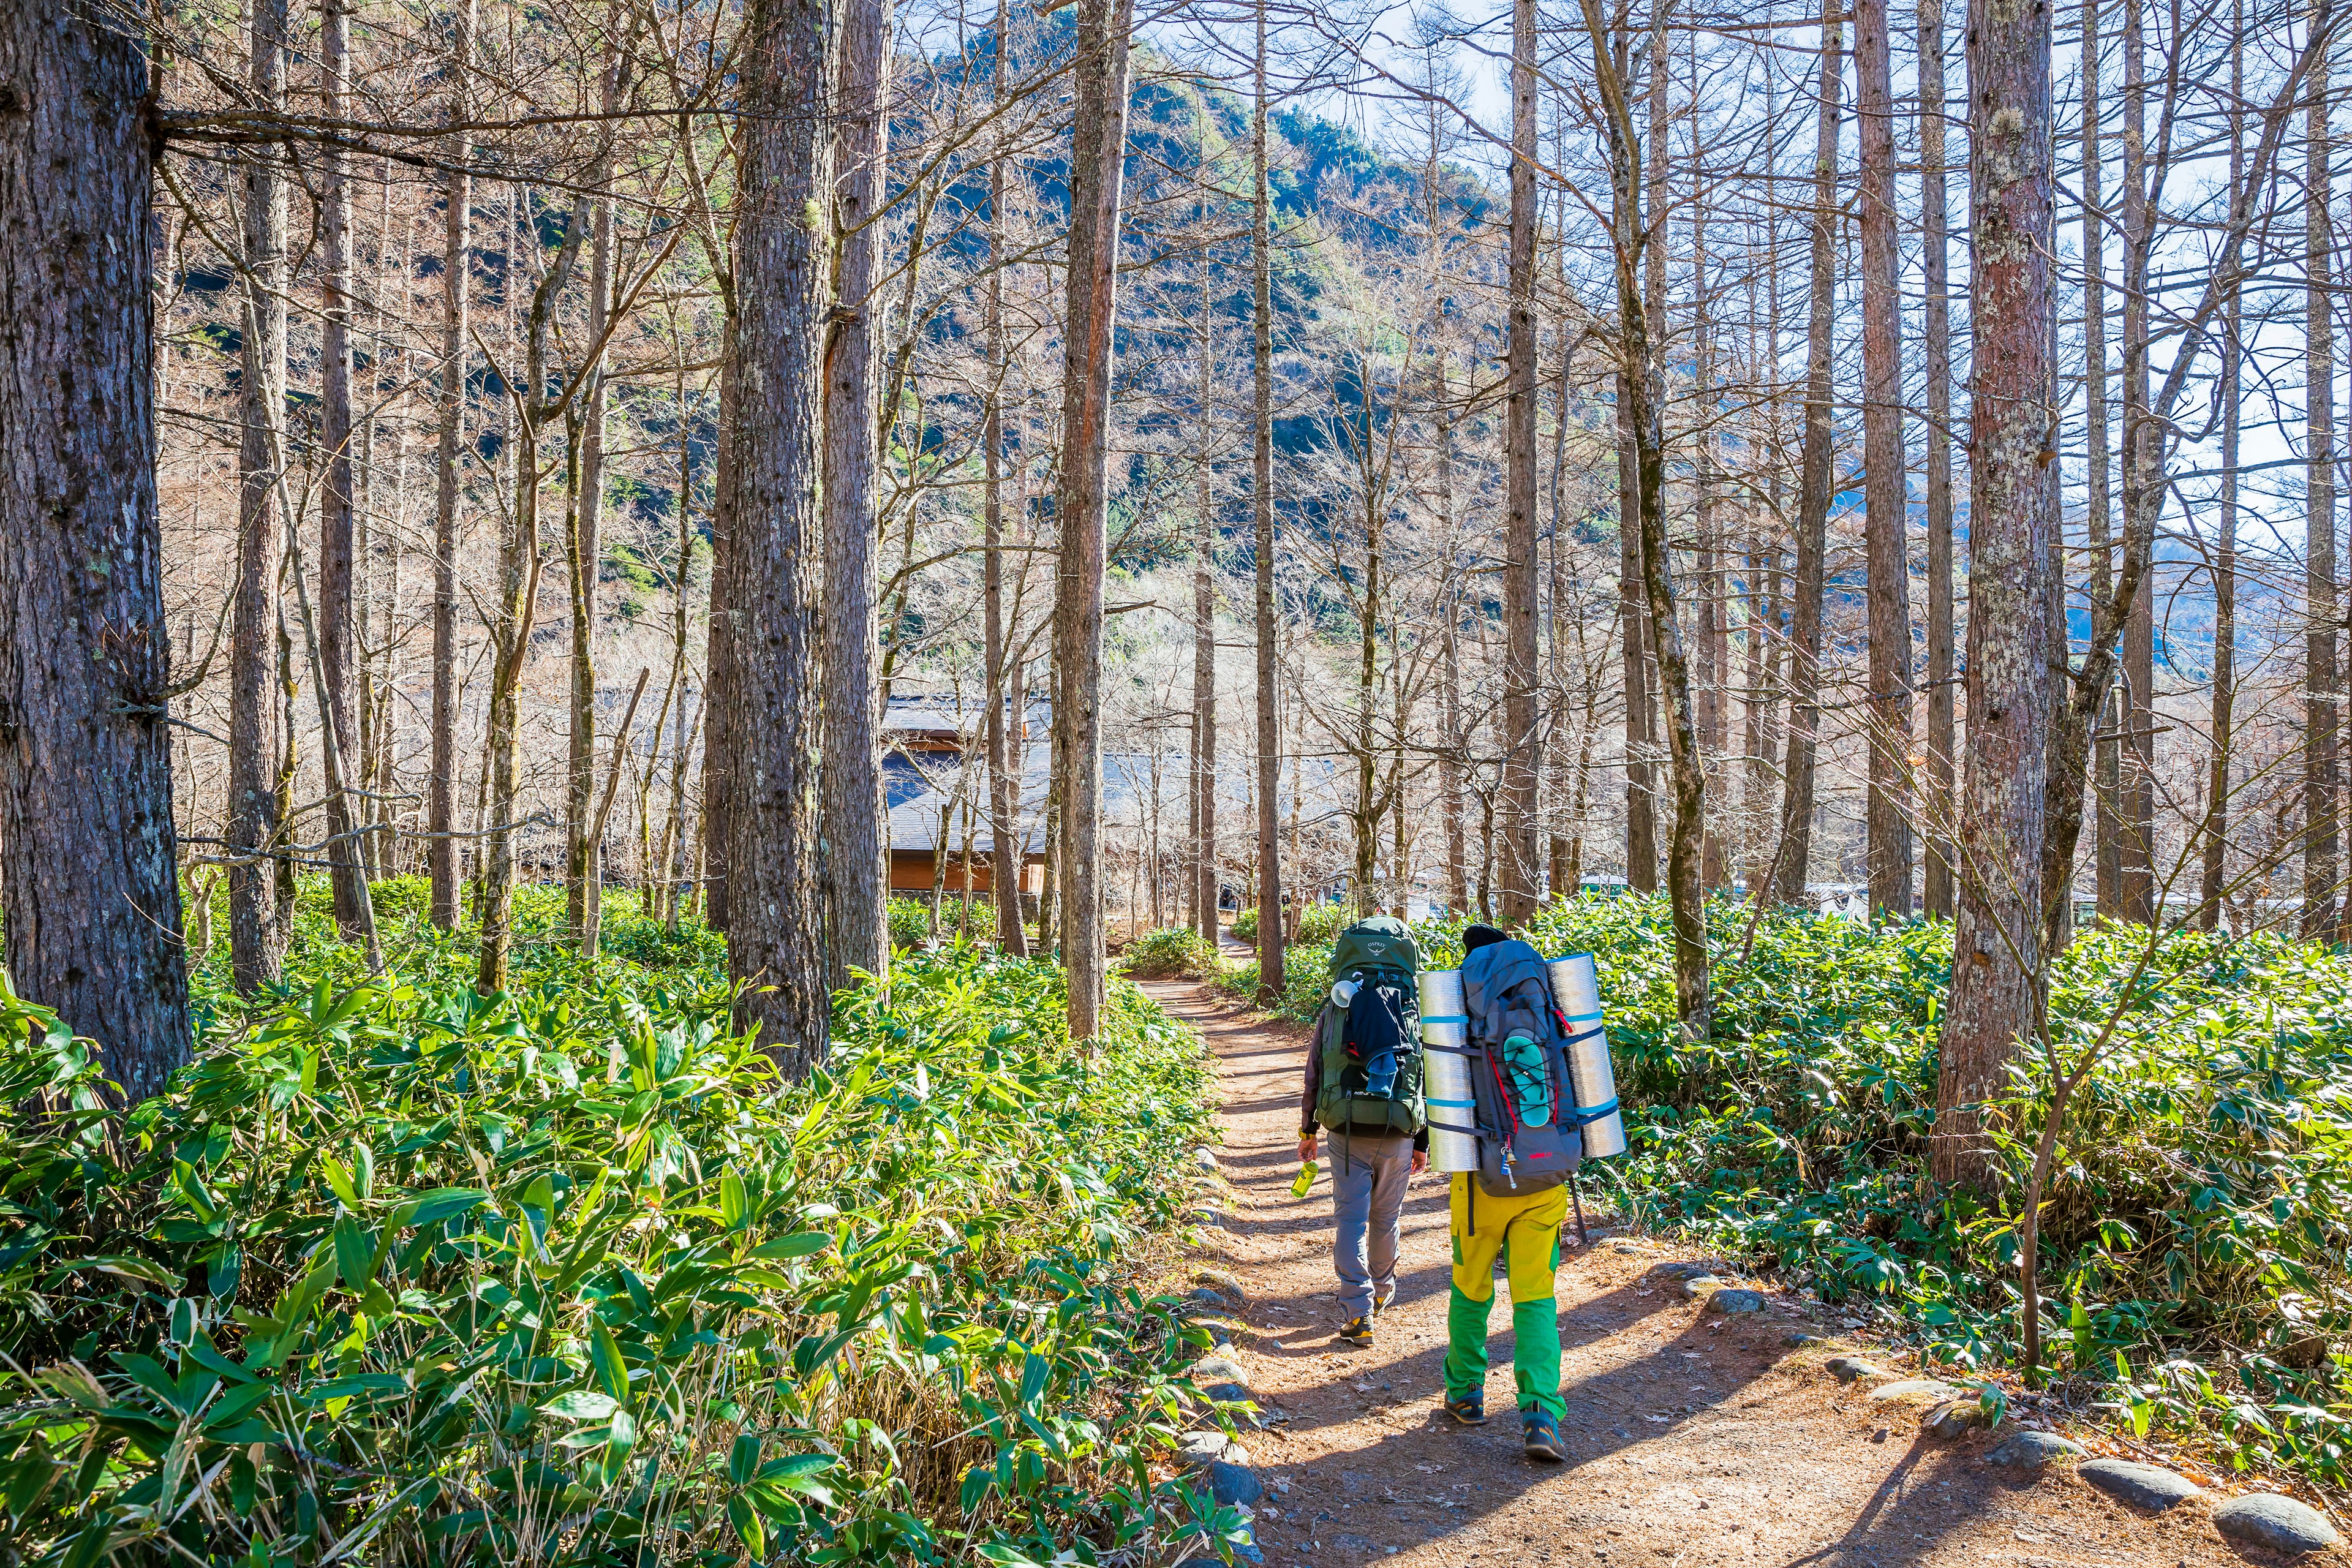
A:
x: 1305, y: 1179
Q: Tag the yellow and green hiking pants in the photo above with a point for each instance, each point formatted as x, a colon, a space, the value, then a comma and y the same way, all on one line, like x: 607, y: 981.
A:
x: 1483, y: 1228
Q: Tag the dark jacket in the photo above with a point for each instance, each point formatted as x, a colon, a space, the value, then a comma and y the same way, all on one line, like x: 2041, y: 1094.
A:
x: 1311, y: 1091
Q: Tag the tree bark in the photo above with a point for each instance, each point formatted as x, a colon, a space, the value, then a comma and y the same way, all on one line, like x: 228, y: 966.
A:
x: 1522, y: 739
x: 854, y: 865
x: 1886, y: 493
x: 337, y: 651
x: 88, y: 886
x: 1997, y: 966
x: 1206, y: 880
x: 2097, y: 522
x: 583, y: 867
x: 1641, y: 374
x: 1814, y: 488
x: 518, y: 614
x: 2214, y: 886
x: 775, y: 916
x: 1006, y: 862
x: 456, y: 264
x: 1269, y: 731
x: 1936, y: 331
x: 256, y: 941
x: 2321, y: 782
x: 2135, y: 845
x: 1097, y: 162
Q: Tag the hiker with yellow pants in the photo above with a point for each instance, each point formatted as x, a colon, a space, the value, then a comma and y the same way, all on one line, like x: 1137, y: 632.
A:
x: 1525, y: 1232
x: 1512, y: 1206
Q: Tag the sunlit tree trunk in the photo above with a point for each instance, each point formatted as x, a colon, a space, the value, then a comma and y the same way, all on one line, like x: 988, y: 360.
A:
x: 2321, y: 623
x: 853, y: 773
x: 1813, y: 493
x: 457, y: 265
x: 1997, y: 959
x: 1943, y: 739
x: 1522, y: 738
x: 255, y: 940
x: 2143, y: 498
x: 1008, y: 704
x: 1097, y: 158
x: 2214, y: 886
x: 337, y: 650
x: 1886, y: 492
x: 1269, y: 731
x: 775, y: 916
x: 1205, y: 879
x: 88, y: 887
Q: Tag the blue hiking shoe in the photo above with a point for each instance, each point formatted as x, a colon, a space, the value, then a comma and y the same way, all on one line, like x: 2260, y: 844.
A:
x: 1467, y: 1409
x: 1541, y: 1436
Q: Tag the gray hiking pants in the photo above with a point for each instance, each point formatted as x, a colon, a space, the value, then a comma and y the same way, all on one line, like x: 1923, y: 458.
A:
x: 1367, y: 1179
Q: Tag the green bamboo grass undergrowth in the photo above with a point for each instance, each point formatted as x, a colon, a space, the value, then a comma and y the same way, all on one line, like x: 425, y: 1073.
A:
x: 398, y: 1274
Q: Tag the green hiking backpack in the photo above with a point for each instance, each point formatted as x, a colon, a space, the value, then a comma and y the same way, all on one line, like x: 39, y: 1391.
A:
x: 1370, y: 1030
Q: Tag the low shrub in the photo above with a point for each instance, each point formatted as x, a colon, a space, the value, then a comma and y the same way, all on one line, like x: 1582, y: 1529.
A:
x: 400, y: 1274
x: 1244, y: 927
x: 1171, y: 953
x: 912, y: 923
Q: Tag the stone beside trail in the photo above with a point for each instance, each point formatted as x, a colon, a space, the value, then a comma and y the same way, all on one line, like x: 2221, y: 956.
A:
x: 1699, y: 1435
x: 2280, y: 1523
x: 2142, y: 1486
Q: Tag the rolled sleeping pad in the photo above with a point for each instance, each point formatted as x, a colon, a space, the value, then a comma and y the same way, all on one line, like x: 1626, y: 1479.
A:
x: 1576, y: 985
x: 1445, y: 1072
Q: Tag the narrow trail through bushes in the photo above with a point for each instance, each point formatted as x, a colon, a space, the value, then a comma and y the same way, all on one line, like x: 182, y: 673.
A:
x: 1693, y: 1439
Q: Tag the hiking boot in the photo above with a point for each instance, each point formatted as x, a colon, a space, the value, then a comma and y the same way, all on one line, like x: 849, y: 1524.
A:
x: 1356, y: 1331
x: 1384, y: 1300
x: 1541, y: 1435
x: 1467, y: 1409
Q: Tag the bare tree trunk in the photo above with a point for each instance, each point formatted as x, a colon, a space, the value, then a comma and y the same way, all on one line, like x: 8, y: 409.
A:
x: 2135, y: 787
x: 256, y: 939
x: 1641, y: 715
x: 1205, y: 878
x: 1886, y: 491
x: 1642, y: 376
x: 2215, y: 830
x: 1269, y: 731
x: 519, y: 574
x: 1522, y: 739
x: 720, y: 687
x: 2320, y: 781
x: 1937, y: 330
x: 2097, y: 522
x: 1641, y: 774
x: 1449, y: 676
x: 336, y: 547
x: 457, y: 266
x: 1997, y: 959
x: 775, y: 925
x: 87, y: 881
x: 1813, y: 494
x: 1006, y: 861
x: 1097, y: 161
x: 853, y: 773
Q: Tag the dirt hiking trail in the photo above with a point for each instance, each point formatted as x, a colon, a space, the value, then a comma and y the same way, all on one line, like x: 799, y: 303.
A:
x: 1694, y: 1438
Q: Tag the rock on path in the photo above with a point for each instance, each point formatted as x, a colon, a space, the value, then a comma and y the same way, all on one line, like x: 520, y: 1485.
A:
x: 2142, y: 1486
x: 2280, y: 1523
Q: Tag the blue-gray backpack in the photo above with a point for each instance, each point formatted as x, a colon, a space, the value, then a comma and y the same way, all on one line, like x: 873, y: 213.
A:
x: 1527, y: 1128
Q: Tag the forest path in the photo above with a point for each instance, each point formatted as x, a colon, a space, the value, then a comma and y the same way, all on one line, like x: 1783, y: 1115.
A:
x: 1693, y: 1440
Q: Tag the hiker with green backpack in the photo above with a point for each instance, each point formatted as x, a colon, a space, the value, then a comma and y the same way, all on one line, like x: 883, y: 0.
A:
x: 1363, y: 1089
